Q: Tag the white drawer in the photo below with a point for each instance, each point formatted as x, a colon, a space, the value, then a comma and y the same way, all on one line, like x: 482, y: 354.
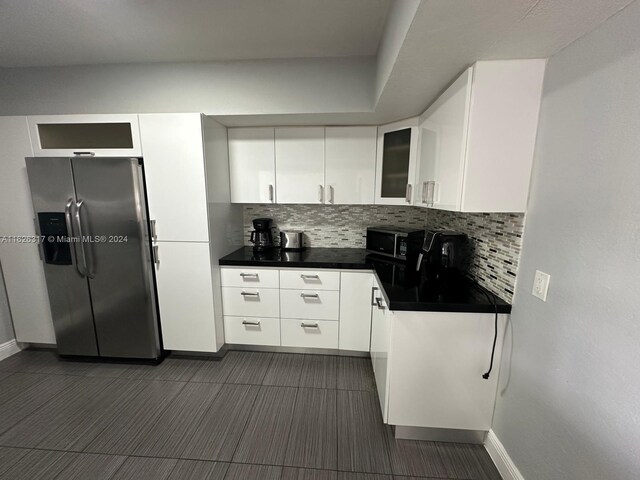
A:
x: 316, y: 279
x: 249, y: 277
x: 252, y: 330
x: 297, y: 332
x: 310, y: 304
x: 250, y: 302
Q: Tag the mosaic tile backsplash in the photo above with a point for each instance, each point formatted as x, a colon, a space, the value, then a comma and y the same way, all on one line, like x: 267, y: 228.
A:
x: 497, y: 236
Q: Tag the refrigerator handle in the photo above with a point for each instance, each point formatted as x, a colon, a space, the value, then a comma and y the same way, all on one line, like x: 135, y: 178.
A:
x: 72, y: 240
x: 87, y: 272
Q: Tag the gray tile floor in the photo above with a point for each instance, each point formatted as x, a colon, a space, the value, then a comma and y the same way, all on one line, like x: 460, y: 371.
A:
x: 248, y: 416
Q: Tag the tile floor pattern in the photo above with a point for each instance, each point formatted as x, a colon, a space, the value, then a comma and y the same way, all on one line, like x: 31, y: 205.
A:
x: 248, y: 416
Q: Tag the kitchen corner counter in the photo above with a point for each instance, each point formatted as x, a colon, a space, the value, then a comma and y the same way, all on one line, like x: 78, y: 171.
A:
x: 403, y: 288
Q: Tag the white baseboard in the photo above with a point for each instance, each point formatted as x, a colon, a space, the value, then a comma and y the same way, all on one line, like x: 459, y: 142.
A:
x: 9, y: 348
x: 501, y: 458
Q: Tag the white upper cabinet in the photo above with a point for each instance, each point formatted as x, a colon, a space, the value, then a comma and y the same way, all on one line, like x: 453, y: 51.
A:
x: 252, y: 166
x: 350, y: 165
x: 477, y: 140
x: 300, y: 165
x: 175, y: 176
x: 101, y: 135
x: 396, y: 162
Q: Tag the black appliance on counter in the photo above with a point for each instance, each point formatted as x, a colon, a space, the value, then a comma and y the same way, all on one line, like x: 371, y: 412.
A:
x: 446, y: 256
x: 403, y: 244
x: 261, y: 237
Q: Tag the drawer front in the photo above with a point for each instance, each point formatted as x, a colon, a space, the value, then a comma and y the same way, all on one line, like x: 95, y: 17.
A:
x: 296, y: 332
x: 315, y: 279
x: 310, y: 304
x: 250, y: 302
x: 249, y: 277
x: 252, y: 330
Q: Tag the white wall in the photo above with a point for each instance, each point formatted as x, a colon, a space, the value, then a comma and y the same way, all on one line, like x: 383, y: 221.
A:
x: 217, y: 88
x: 569, y: 399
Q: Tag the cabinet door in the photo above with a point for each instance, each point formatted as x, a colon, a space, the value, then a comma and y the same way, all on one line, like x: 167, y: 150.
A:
x: 380, y: 331
x: 443, y: 138
x: 185, y: 296
x: 396, y: 163
x: 350, y: 165
x: 355, y: 310
x: 175, y: 176
x: 252, y: 165
x: 102, y: 135
x: 300, y: 165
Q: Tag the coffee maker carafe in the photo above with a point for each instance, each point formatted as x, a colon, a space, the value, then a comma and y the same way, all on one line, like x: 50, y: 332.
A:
x: 261, y: 237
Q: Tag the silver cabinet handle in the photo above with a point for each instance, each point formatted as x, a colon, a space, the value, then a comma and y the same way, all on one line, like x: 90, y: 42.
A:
x: 35, y: 226
x: 331, y: 194
x: 425, y: 188
x: 85, y: 154
x: 85, y: 255
x: 156, y: 256
x: 373, y: 294
x: 254, y: 275
x: 253, y: 324
x: 408, y: 193
x: 309, y: 295
x: 271, y: 193
x: 250, y: 294
x: 304, y: 276
x: 379, y: 303
x: 321, y: 193
x: 70, y: 235
x: 433, y: 192
x: 154, y: 233
x: 309, y: 325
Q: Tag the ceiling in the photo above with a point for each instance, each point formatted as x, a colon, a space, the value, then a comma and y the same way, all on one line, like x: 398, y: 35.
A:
x: 84, y: 32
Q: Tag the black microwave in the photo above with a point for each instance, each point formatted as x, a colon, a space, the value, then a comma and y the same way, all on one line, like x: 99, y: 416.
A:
x: 397, y: 242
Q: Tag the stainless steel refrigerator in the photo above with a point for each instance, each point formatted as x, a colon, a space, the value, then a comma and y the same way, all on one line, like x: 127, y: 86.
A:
x: 91, y: 214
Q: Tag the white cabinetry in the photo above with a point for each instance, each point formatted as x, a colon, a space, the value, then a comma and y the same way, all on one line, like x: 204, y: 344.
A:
x: 396, y: 162
x: 477, y: 139
x: 68, y: 135
x: 350, y: 165
x: 355, y: 310
x: 380, y: 342
x: 20, y: 262
x: 185, y: 296
x: 175, y: 176
x: 252, y: 165
x: 300, y: 165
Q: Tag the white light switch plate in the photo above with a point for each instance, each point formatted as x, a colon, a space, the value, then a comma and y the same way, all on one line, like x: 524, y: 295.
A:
x: 541, y: 285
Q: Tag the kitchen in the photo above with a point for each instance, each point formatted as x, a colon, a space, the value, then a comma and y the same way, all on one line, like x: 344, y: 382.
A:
x: 282, y: 292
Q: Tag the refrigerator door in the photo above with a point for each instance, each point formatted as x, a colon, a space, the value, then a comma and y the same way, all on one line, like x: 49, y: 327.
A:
x: 52, y: 192
x: 112, y: 213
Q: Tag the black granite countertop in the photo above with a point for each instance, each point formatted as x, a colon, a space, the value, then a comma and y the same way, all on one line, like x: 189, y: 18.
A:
x: 404, y: 288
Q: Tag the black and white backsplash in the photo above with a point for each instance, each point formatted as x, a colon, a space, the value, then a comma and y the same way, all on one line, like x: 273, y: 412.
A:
x: 497, y: 236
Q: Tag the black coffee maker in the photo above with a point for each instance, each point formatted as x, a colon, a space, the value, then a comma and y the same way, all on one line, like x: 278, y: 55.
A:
x: 262, y: 237
x: 445, y: 257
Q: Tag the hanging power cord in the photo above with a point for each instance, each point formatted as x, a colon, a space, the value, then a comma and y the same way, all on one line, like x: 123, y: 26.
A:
x: 492, y: 299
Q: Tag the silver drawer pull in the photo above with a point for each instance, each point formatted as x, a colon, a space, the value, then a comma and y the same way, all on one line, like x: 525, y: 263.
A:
x: 309, y: 325
x: 255, y: 275
x: 379, y: 303
x: 306, y: 277
x: 250, y: 294
x: 253, y: 324
x: 309, y: 295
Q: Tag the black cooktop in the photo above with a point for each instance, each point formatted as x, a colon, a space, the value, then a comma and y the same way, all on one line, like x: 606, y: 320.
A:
x: 403, y: 287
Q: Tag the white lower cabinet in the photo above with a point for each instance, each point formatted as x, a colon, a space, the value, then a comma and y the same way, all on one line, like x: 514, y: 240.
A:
x: 380, y: 331
x: 310, y: 304
x: 251, y: 302
x: 252, y: 330
x: 293, y: 307
x: 185, y: 296
x: 297, y: 332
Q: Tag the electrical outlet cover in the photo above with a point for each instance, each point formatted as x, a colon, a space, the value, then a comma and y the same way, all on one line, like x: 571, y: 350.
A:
x: 541, y: 285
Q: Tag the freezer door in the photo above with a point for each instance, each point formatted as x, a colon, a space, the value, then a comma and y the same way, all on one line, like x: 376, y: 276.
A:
x: 112, y: 218
x: 52, y: 192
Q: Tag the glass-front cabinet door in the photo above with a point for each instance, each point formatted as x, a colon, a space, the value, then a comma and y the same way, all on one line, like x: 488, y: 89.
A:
x: 395, y: 170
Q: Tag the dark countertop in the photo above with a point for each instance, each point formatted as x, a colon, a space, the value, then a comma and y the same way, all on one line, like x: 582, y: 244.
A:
x: 404, y: 289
